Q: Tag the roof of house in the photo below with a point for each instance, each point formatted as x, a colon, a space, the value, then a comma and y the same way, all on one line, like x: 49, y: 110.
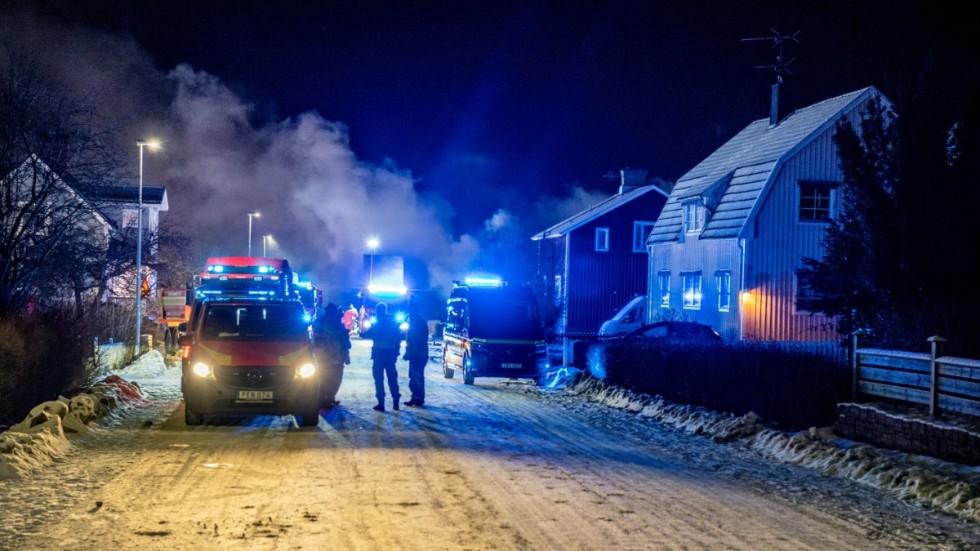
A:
x: 578, y: 219
x: 737, y: 175
x: 152, y: 195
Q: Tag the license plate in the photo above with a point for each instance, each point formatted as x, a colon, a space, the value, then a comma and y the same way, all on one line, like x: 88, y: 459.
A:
x: 511, y: 366
x: 254, y: 394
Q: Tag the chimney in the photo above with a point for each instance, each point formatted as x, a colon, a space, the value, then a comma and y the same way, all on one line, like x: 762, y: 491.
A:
x: 631, y: 178
x: 774, y: 105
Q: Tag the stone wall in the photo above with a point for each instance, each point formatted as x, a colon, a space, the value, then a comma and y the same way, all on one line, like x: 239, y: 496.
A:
x: 921, y: 435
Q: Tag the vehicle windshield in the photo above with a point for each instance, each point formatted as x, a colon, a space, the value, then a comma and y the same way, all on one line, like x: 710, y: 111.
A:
x: 505, y: 319
x: 254, y: 322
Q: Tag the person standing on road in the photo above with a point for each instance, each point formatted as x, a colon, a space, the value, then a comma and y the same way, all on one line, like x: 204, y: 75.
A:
x: 384, y: 353
x: 333, y: 352
x: 417, y: 355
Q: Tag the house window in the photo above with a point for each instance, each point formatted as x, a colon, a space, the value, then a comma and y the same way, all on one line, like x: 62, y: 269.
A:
x: 641, y: 230
x: 602, y: 239
x: 723, y: 282
x: 693, y: 216
x: 663, y: 282
x: 805, y: 295
x: 129, y: 218
x: 691, y: 283
x: 816, y: 201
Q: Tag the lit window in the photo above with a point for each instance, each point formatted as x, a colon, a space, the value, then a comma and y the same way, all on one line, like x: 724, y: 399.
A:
x: 693, y: 216
x: 663, y: 282
x: 602, y: 239
x: 691, y: 283
x: 641, y: 230
x: 723, y: 282
x: 816, y: 201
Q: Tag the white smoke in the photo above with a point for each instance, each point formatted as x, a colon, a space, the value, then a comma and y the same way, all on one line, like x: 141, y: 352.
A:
x: 223, y: 156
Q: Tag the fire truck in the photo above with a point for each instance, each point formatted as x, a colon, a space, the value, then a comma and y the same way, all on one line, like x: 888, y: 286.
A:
x: 246, y: 276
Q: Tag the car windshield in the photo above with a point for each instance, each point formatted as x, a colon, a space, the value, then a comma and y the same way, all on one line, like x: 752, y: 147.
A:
x: 254, y: 322
x: 504, y: 319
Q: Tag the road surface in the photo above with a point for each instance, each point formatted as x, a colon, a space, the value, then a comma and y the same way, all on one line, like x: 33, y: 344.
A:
x: 498, y: 465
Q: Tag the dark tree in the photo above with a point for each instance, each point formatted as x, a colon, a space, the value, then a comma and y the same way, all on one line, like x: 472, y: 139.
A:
x: 896, y: 256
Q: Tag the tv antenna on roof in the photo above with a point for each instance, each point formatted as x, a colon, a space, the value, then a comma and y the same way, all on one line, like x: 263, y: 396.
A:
x: 781, y: 66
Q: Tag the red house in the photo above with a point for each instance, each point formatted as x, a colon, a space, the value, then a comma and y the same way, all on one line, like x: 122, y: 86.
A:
x: 595, y: 261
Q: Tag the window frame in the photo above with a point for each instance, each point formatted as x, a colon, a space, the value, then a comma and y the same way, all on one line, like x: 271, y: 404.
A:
x: 663, y: 286
x: 723, y: 283
x: 602, y: 240
x: 820, y: 203
x: 694, y: 216
x: 640, y: 235
x: 692, y: 290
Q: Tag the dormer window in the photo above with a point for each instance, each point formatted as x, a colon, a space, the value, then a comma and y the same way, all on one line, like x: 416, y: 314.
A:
x: 693, y: 216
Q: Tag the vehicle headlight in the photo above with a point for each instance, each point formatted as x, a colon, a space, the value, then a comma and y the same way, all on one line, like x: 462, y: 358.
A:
x: 202, y: 369
x: 478, y: 347
x: 306, y: 371
x: 403, y: 326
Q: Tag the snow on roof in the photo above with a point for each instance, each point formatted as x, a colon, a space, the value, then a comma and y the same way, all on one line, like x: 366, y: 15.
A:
x: 750, y: 160
x: 578, y: 219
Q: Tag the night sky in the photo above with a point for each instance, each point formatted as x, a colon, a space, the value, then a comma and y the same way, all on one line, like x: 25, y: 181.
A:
x: 480, y: 114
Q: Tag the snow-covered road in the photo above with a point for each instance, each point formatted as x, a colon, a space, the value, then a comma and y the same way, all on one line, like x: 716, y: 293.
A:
x: 490, y: 466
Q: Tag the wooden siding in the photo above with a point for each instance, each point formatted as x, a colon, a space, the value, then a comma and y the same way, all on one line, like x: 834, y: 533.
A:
x: 707, y: 256
x: 779, y: 245
x: 598, y: 284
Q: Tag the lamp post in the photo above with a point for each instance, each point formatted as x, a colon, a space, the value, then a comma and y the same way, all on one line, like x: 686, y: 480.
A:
x: 153, y: 144
x: 265, y: 238
x: 250, y: 216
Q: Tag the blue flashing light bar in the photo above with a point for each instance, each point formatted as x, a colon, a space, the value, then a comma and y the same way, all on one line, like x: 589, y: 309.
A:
x: 484, y: 281
x: 388, y: 290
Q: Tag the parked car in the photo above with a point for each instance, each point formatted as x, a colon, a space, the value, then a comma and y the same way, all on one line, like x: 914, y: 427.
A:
x: 687, y: 331
x: 661, y: 332
x: 251, y: 357
x: 629, y: 318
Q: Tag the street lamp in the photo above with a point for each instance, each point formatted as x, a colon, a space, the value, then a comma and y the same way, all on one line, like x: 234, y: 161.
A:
x: 266, y: 237
x: 152, y: 144
x: 250, y: 215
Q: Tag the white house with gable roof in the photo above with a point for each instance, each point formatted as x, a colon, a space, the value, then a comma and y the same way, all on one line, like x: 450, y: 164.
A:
x: 733, y: 233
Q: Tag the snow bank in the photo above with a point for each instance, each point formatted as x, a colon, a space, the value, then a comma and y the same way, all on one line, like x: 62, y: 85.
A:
x: 948, y: 487
x: 45, y: 434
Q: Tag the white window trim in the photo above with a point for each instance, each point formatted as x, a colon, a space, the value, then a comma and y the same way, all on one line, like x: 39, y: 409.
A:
x: 664, y: 293
x: 639, y: 236
x: 831, y: 187
x: 694, y: 216
x: 602, y: 240
x: 691, y: 299
x: 720, y: 276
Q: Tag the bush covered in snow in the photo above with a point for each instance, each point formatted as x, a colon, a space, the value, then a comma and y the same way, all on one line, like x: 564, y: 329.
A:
x: 41, y: 355
x: 792, y: 390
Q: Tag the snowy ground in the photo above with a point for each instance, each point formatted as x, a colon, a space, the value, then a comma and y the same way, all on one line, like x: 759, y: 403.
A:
x: 50, y: 491
x: 944, y: 486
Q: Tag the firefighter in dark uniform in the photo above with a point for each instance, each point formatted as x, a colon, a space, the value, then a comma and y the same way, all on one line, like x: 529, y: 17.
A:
x: 384, y: 353
x: 333, y: 352
x: 417, y: 354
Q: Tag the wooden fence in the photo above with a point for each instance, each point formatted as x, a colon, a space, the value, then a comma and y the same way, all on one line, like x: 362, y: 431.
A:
x: 944, y: 383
